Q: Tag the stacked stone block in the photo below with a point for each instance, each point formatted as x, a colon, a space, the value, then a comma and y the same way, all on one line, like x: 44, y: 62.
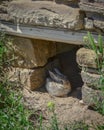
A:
x: 86, y: 58
x: 94, y: 14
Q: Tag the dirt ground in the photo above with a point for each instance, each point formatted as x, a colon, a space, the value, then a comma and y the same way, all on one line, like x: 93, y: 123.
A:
x: 68, y: 109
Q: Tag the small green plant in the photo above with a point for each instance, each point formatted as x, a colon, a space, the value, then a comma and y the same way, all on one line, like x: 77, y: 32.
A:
x: 99, y: 127
x: 13, y: 115
x: 77, y: 125
x: 97, y: 46
x: 54, y: 125
x: 99, y: 105
x: 3, y: 50
x: 54, y: 121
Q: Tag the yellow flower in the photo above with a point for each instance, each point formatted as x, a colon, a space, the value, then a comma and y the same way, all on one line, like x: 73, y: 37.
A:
x: 50, y: 105
x: 85, y: 38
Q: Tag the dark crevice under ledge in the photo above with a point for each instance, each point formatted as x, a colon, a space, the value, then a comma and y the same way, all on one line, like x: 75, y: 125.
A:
x: 45, y: 33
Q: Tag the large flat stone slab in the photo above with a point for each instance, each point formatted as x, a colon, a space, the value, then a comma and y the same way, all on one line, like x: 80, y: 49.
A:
x: 46, y: 20
x: 30, y: 53
x: 44, y: 13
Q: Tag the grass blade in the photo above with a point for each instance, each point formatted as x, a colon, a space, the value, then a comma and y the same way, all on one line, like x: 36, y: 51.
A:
x: 100, y: 42
x: 91, y: 40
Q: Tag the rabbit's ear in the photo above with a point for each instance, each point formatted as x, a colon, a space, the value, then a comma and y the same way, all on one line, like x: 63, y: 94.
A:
x: 54, y: 77
x: 59, y: 73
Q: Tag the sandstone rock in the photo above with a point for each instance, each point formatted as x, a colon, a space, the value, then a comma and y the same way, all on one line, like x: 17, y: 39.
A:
x: 97, y: 7
x: 28, y: 78
x: 86, y: 58
x: 3, y: 10
x: 91, y: 96
x: 97, y: 19
x: 90, y: 79
x: 31, y: 53
x: 95, y: 11
x: 45, y: 13
x: 89, y: 24
x: 99, y: 24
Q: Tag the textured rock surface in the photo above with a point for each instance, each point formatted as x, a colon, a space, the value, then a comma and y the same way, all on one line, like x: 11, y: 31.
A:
x: 95, y: 14
x: 31, y: 78
x: 89, y: 24
x: 30, y: 53
x: 86, y: 58
x: 28, y: 78
x: 97, y: 19
x: 90, y: 79
x: 95, y: 6
x: 91, y: 96
x: 44, y: 13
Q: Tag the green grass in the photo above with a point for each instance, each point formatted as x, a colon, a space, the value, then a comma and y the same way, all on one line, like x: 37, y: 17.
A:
x: 97, y: 47
x: 13, y: 115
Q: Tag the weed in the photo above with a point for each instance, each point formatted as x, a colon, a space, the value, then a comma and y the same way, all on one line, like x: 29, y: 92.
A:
x: 54, y: 121
x: 99, y: 105
x: 13, y: 116
x: 99, y: 127
x: 97, y: 46
x: 77, y: 125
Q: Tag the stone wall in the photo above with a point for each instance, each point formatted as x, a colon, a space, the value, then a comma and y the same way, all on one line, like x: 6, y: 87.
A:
x: 31, y: 63
x: 64, y: 14
x: 31, y: 55
x: 94, y: 14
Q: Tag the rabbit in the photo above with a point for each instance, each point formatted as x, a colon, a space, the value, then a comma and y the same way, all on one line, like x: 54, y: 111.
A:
x: 57, y: 84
